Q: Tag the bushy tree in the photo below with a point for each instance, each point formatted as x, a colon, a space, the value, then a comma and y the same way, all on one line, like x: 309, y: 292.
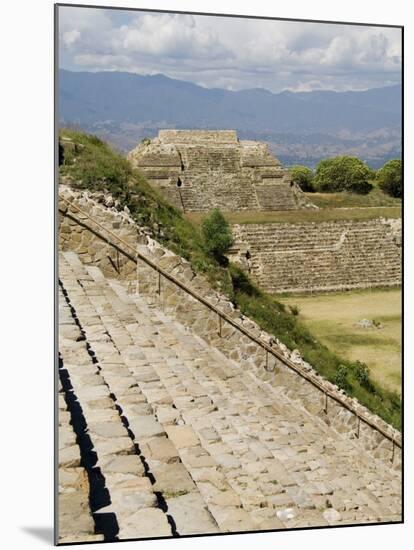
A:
x: 390, y: 178
x: 362, y: 374
x: 216, y: 234
x: 343, y: 174
x: 303, y: 176
x: 341, y: 378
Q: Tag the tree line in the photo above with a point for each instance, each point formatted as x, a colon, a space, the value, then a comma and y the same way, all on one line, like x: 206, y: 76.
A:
x: 350, y: 174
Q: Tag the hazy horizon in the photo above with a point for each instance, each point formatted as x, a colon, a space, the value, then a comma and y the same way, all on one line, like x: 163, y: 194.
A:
x: 212, y: 88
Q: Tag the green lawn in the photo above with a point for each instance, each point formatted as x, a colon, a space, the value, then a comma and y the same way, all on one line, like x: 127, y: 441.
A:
x: 298, y: 216
x: 332, y: 206
x: 376, y: 198
x: 333, y: 318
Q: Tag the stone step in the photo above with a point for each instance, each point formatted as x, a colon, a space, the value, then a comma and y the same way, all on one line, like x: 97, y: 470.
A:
x: 75, y: 521
x: 162, y: 399
x: 172, y: 480
x: 132, y: 496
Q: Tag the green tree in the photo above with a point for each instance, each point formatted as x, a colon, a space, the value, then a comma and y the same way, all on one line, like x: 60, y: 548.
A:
x: 341, y: 378
x: 216, y: 234
x: 362, y: 374
x: 390, y: 178
x: 303, y: 176
x: 343, y: 174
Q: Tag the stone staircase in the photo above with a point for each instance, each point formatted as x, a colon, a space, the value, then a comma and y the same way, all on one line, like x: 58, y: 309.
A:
x: 177, y: 439
x: 201, y: 160
x: 277, y: 196
x: 320, y: 256
x: 74, y: 516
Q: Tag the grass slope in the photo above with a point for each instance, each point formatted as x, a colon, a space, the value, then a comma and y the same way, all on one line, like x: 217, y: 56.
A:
x: 91, y: 164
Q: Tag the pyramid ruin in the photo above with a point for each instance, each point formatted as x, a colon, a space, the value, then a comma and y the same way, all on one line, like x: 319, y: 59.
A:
x: 197, y: 170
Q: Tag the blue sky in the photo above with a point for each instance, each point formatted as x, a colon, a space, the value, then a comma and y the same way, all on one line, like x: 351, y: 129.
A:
x: 228, y: 52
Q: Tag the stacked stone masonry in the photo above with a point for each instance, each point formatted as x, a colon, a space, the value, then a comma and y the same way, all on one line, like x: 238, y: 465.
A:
x: 198, y: 170
x: 303, y: 257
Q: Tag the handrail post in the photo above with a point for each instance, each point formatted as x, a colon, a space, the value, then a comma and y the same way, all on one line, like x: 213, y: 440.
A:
x: 393, y: 451
x: 159, y: 283
x: 219, y: 324
x: 358, y: 427
x: 326, y: 403
x: 270, y: 366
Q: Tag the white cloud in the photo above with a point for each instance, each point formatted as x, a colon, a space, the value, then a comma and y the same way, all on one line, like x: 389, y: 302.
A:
x: 173, y: 36
x: 232, y: 53
x: 70, y: 37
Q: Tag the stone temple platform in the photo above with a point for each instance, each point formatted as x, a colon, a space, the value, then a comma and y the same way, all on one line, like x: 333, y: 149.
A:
x: 197, y: 170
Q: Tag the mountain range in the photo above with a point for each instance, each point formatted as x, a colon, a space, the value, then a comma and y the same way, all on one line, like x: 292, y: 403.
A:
x: 300, y: 127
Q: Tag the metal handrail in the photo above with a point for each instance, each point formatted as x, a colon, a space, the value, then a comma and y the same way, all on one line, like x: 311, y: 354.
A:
x: 222, y: 315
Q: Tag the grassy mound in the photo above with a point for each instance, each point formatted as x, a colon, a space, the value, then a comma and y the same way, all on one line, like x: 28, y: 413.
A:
x: 92, y: 164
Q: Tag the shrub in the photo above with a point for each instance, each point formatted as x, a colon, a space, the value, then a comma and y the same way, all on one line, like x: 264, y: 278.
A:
x: 303, y: 176
x: 341, y: 377
x: 343, y: 174
x: 294, y: 309
x: 390, y: 178
x: 241, y: 282
x: 361, y: 187
x: 362, y: 374
x: 216, y: 234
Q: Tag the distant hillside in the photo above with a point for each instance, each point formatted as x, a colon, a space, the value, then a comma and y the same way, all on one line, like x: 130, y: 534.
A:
x: 300, y: 127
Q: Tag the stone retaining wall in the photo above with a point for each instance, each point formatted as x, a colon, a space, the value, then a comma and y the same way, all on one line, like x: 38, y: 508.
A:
x: 204, y: 322
x: 335, y: 255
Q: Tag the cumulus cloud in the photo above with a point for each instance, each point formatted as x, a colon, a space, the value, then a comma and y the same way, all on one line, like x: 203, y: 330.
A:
x: 172, y: 36
x: 70, y: 37
x: 229, y: 52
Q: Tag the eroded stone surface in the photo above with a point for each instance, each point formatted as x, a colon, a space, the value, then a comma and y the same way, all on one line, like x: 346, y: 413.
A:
x: 147, y: 522
x: 191, y: 515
